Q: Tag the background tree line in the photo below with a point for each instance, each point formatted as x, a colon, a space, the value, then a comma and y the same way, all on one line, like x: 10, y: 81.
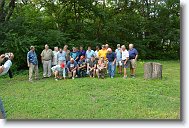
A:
x: 152, y: 25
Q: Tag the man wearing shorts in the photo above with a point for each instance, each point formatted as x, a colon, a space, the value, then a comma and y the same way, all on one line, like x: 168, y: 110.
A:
x: 133, y: 55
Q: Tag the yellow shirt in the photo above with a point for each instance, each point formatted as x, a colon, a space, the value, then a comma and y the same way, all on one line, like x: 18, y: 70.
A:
x: 102, y: 53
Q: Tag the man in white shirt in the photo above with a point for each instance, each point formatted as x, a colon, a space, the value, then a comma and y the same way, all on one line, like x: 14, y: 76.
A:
x: 55, y: 53
x: 5, y: 68
x: 125, y: 60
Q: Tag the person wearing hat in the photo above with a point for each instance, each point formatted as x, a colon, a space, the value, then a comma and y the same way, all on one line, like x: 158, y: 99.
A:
x: 118, y: 59
x: 111, y: 56
x: 32, y: 63
x: 58, y: 71
x: 72, y: 68
x: 82, y: 67
x: 92, y: 66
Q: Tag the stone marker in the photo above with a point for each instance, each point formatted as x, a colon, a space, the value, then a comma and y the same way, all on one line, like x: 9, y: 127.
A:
x: 152, y: 70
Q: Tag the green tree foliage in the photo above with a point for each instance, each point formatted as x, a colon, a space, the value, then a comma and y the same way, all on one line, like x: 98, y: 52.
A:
x: 152, y: 25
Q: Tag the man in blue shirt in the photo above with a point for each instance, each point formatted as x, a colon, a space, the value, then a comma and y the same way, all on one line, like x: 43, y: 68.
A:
x: 32, y: 63
x: 133, y: 55
x: 111, y: 56
x: 88, y: 55
x: 118, y: 59
x: 74, y: 54
x: 72, y: 68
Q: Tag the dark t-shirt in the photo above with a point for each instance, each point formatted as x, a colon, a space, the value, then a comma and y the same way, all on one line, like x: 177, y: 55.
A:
x: 111, y: 56
x: 81, y: 63
x: 132, y: 53
x: 92, y: 63
x: 71, y: 65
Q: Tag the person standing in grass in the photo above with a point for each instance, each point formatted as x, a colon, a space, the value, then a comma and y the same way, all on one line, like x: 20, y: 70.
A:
x: 72, y: 68
x: 82, y: 52
x: 111, y: 56
x: 58, y: 71
x: 107, y: 46
x: 74, y: 54
x: 55, y: 53
x: 125, y: 60
x: 118, y: 59
x: 96, y: 52
x: 102, y: 53
x: 46, y: 58
x: 101, y: 68
x: 67, y: 53
x: 92, y: 66
x: 32, y: 63
x: 82, y: 67
x: 62, y: 59
x: 88, y: 56
x: 133, y: 55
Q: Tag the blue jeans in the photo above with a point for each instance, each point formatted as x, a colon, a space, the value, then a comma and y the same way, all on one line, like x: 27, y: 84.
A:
x: 2, y: 109
x: 111, y: 69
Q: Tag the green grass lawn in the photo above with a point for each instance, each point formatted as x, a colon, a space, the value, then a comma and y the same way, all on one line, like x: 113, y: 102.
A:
x: 91, y: 98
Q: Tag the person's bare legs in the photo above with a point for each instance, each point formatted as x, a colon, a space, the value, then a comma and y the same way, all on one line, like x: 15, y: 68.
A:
x: 1, y: 69
x: 56, y: 74
x: 94, y: 72
x: 120, y: 69
x: 125, y: 72
x: 74, y: 73
x: 97, y: 73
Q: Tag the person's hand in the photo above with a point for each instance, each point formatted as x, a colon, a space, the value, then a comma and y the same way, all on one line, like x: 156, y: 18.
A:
x: 28, y: 65
x: 113, y: 63
x: 2, y: 56
x: 125, y: 62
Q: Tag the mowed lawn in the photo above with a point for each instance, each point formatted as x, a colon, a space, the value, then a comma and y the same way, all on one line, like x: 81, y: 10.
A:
x: 92, y: 98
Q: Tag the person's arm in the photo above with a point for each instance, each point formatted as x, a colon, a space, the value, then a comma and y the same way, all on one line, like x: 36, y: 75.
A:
x: 2, y: 57
x: 42, y: 54
x: 114, y: 59
x: 136, y: 52
x: 28, y: 59
x: 127, y: 58
x: 68, y: 67
x: 75, y: 67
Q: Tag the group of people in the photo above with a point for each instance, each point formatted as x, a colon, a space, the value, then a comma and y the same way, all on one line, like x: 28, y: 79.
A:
x: 64, y: 63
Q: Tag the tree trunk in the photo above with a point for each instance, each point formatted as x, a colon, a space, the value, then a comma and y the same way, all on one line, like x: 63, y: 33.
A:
x: 152, y: 70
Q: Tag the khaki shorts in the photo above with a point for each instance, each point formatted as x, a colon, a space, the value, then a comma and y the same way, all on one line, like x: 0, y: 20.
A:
x: 132, y: 63
x: 119, y: 63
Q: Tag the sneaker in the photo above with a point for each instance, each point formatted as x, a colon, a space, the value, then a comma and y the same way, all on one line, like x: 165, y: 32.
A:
x: 56, y: 79
x: 73, y: 78
x: 31, y: 81
x: 125, y: 77
x: 112, y: 77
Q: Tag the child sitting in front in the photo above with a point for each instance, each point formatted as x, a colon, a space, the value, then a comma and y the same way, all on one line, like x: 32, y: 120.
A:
x: 101, y: 68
